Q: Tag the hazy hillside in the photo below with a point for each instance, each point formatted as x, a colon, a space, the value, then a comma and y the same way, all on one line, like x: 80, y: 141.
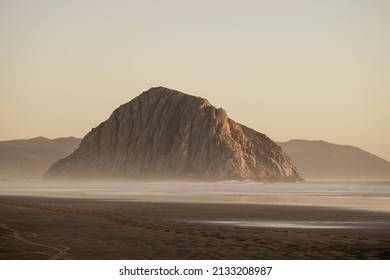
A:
x: 319, y: 160
x: 29, y: 158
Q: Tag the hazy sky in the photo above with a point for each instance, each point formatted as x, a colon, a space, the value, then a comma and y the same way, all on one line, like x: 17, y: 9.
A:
x: 290, y: 69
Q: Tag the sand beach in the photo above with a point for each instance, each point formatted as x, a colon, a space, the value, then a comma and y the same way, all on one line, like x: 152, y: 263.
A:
x: 81, y: 228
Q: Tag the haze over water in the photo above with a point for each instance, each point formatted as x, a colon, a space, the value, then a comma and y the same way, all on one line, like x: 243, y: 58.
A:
x: 350, y: 195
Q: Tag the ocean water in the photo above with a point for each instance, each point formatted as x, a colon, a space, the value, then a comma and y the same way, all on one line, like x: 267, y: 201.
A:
x: 373, y: 196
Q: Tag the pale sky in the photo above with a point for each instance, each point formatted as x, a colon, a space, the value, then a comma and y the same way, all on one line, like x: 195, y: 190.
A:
x: 290, y: 69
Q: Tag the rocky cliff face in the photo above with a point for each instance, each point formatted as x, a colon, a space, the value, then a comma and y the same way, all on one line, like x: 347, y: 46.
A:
x: 166, y: 134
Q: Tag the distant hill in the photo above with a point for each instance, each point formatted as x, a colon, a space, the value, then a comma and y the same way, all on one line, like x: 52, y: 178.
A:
x: 29, y: 158
x: 319, y: 160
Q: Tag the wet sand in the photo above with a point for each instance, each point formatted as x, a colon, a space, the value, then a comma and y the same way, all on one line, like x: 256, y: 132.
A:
x: 72, y: 228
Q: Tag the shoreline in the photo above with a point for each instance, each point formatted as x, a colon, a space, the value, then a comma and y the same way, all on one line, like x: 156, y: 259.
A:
x: 364, y: 196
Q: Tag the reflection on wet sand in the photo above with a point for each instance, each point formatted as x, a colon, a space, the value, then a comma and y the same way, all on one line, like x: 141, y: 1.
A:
x: 292, y: 224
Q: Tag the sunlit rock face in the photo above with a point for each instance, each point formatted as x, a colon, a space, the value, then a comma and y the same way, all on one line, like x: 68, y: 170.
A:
x: 166, y: 134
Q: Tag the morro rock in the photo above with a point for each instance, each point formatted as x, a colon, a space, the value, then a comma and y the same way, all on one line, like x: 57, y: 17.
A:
x: 166, y: 134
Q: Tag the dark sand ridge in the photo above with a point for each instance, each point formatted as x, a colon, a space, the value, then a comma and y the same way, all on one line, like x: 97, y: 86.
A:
x: 60, y: 228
